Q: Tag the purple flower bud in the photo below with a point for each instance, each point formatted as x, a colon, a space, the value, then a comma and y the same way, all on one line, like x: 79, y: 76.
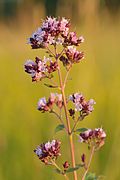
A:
x: 83, y: 158
x: 66, y: 165
x: 71, y: 112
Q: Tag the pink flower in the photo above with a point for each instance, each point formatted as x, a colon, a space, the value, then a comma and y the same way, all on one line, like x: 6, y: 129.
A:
x: 40, y: 68
x: 48, y: 151
x: 73, y: 55
x: 95, y: 137
x: 81, y: 105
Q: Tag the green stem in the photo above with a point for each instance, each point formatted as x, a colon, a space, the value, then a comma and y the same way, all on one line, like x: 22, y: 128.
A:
x: 75, y: 124
x: 54, y: 164
x: 89, y: 162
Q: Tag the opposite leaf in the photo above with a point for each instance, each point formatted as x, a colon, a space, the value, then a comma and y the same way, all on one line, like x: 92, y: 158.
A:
x: 91, y: 176
x: 60, y: 127
x: 81, y: 130
x: 74, y: 169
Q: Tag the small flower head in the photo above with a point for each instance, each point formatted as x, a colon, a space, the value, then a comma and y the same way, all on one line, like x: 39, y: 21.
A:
x: 48, y: 151
x: 47, y: 105
x: 59, y: 100
x: 81, y: 105
x: 94, y: 137
x: 72, y: 39
x: 42, y: 105
x: 37, y: 69
x: 73, y: 55
x: 40, y: 68
x: 52, y: 31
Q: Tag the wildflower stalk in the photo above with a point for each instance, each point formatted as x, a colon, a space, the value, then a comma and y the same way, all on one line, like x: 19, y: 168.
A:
x: 67, y: 121
x: 54, y: 32
x: 89, y: 162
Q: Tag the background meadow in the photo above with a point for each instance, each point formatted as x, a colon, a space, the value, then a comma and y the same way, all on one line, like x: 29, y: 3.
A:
x: 22, y: 127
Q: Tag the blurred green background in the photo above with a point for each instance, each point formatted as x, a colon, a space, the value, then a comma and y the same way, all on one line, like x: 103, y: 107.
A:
x: 22, y: 127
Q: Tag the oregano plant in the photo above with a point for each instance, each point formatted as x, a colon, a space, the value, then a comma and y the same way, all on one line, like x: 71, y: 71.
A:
x: 59, y: 45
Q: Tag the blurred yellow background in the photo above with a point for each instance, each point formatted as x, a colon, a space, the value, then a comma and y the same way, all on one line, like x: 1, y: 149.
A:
x: 22, y: 127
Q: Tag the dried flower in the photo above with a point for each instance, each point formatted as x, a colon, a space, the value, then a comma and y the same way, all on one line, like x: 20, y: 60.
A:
x: 48, y: 151
x: 94, y: 137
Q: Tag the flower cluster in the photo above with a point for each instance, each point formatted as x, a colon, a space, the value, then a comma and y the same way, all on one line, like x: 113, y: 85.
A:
x: 53, y: 31
x: 94, y: 137
x: 44, y: 105
x: 48, y: 151
x: 71, y: 56
x: 72, y: 39
x: 81, y: 105
x: 40, y: 68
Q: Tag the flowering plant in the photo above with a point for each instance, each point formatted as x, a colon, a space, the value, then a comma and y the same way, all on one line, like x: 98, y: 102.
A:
x: 53, y: 33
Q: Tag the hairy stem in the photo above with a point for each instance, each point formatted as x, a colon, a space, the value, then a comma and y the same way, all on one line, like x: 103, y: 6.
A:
x: 67, y: 121
x: 89, y: 162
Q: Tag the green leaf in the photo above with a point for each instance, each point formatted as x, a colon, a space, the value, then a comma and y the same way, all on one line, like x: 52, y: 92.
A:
x: 60, y: 127
x: 58, y: 171
x: 50, y: 86
x: 91, y: 176
x: 81, y: 130
x: 74, y: 169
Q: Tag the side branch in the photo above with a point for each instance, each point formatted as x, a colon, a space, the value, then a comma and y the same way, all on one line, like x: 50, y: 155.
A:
x: 89, y: 162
